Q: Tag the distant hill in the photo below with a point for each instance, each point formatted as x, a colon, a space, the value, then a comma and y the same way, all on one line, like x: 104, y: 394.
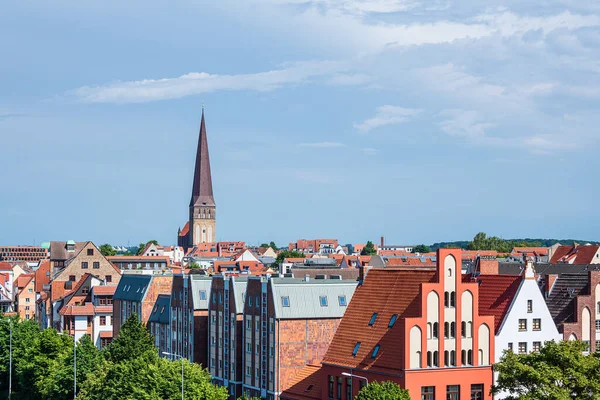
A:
x: 527, y: 242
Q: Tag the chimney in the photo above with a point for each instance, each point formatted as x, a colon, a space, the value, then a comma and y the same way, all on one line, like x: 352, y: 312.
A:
x: 529, y: 270
x: 382, y: 242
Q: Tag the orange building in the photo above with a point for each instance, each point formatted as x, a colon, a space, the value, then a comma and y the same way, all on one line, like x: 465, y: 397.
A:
x: 25, y: 296
x: 420, y: 329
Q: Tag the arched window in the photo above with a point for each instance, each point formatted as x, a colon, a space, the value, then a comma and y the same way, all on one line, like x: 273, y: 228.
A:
x: 446, y: 299
x: 470, y: 357
x: 452, y: 330
x: 435, y: 359
x: 435, y: 330
x: 481, y: 361
x: 453, y: 358
x: 463, y: 357
x: 469, y: 329
x: 446, y: 358
x: 429, y: 359
x: 429, y: 330
x: 446, y: 330
x: 452, y: 299
x: 463, y: 329
x: 419, y: 365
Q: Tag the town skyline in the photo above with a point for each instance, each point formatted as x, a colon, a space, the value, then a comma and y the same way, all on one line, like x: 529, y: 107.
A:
x: 399, y: 127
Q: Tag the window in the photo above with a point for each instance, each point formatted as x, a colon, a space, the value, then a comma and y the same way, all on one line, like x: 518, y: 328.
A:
x: 393, y: 320
x: 536, y: 347
x: 375, y: 351
x: 463, y: 357
x: 452, y: 329
x: 248, y: 347
x: 258, y: 349
x: 250, y: 301
x: 90, y: 252
x: 470, y: 357
x: 342, y: 301
x: 84, y: 290
x: 220, y: 298
x: 108, y: 278
x: 428, y: 393
x: 477, y: 392
x: 72, y: 278
x: 203, y: 295
x: 598, y: 306
x: 522, y: 324
x: 248, y: 371
x: 339, y: 388
x: 537, y: 324
x: 102, y: 320
x: 453, y: 358
x: 257, y: 302
x: 446, y: 329
x: 522, y: 347
x: 463, y: 329
x: 84, y: 265
x: 446, y: 299
x: 510, y: 346
x: 529, y: 306
x: 435, y: 359
x: 330, y: 388
x: 96, y: 265
x: 257, y: 325
x: 285, y: 301
x: 453, y: 392
x: 373, y: 318
x: 429, y: 358
x: 435, y: 330
x: 323, y: 301
x: 356, y: 347
x: 452, y: 299
x: 214, y: 298
x: 348, y: 388
x: 249, y: 324
x: 446, y: 358
x: 598, y: 324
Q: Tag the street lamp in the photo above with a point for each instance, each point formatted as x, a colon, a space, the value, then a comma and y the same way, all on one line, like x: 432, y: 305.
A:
x: 181, y: 358
x: 351, y: 375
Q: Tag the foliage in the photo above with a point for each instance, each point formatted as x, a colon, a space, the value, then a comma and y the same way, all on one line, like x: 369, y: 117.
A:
x: 383, y: 391
x: 559, y: 371
x: 142, y: 246
x: 286, y: 254
x: 421, y: 248
x: 244, y: 397
x: 194, y: 265
x: 271, y: 245
x: 369, y: 249
x: 134, y: 341
x: 107, y: 250
x: 510, y: 243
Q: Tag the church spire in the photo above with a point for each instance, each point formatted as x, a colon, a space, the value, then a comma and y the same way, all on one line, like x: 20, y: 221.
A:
x: 202, y: 192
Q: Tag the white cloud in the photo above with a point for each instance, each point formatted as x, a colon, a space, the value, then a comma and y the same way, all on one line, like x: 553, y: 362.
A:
x: 464, y: 123
x: 202, y: 82
x: 369, y: 151
x: 349, y: 79
x: 322, y: 145
x: 353, y: 6
x: 387, y: 115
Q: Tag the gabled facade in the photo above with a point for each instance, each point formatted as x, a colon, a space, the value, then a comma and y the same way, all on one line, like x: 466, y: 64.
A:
x: 159, y: 323
x: 200, y: 289
x: 182, y: 317
x: 576, y: 254
x: 25, y: 296
x: 420, y: 329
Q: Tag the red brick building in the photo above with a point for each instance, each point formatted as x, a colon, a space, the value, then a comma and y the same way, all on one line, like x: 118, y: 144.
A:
x: 420, y: 329
x: 288, y: 324
x: 23, y: 253
x: 200, y: 289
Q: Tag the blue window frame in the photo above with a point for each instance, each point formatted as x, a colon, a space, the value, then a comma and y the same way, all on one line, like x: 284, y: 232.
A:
x: 393, y: 320
x: 356, y: 347
x: 285, y: 301
x: 373, y: 318
x: 375, y: 351
x: 342, y: 301
x: 323, y: 301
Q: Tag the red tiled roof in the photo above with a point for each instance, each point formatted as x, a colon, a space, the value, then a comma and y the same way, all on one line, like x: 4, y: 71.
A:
x: 4, y: 266
x: 519, y: 251
x: 575, y: 254
x: 57, y: 289
x: 106, y: 334
x: 307, y: 384
x: 413, y: 261
x: 185, y: 230
x: 23, y: 280
x: 473, y: 254
x: 87, y: 309
x: 104, y: 290
x: 42, y: 276
x: 385, y: 292
x: 496, y: 294
x: 104, y: 309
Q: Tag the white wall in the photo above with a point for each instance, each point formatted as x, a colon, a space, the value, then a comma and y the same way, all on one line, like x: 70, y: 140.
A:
x: 101, y: 328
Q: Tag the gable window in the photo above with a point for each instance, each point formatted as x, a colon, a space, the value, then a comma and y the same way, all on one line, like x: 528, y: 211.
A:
x: 85, y: 290
x: 342, y: 301
x: 452, y: 299
x: 375, y: 351
x: 323, y: 301
x: 436, y: 359
x: 356, y: 347
x: 529, y: 306
x: 90, y: 252
x: 373, y: 318
x: 446, y: 358
x: 203, y: 295
x: 285, y: 301
x: 452, y: 329
x: 522, y: 325
x: 108, y: 278
x: 537, y: 324
x: 393, y: 320
x: 84, y: 265
x: 463, y: 357
x: 96, y: 265
x: 522, y: 347
x: 72, y: 278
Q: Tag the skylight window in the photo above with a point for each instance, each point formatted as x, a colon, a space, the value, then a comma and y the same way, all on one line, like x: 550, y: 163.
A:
x: 323, y: 301
x: 285, y: 301
x: 342, y: 301
x: 373, y: 318
x: 375, y: 351
x: 356, y: 347
x: 393, y: 320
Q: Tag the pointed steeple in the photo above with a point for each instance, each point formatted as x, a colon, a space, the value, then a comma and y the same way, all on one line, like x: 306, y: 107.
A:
x: 202, y: 192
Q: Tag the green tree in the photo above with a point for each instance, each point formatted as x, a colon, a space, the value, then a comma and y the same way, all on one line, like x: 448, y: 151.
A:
x: 369, y: 249
x: 134, y: 341
x: 421, y: 248
x: 559, y: 371
x: 194, y: 265
x: 142, y: 246
x: 286, y: 254
x: 383, y: 391
x: 271, y: 245
x: 107, y: 250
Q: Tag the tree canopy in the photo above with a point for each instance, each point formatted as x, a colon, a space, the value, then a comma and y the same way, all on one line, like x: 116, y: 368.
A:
x: 559, y: 371
x: 107, y: 250
x: 383, y: 391
x: 142, y: 246
x: 286, y: 254
x: 369, y: 249
x: 421, y: 248
x: 271, y: 245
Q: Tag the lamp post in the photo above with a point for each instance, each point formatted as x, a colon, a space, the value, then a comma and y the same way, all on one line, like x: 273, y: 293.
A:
x: 351, y: 375
x: 181, y: 358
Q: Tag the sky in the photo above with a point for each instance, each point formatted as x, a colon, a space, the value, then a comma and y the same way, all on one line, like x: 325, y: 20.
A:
x: 420, y: 121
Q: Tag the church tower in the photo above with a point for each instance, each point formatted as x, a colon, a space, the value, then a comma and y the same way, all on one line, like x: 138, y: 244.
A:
x: 202, y: 223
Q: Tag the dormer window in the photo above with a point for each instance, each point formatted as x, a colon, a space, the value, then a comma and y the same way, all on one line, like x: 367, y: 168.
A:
x: 356, y: 347
x: 373, y: 318
x: 375, y: 351
x: 285, y: 301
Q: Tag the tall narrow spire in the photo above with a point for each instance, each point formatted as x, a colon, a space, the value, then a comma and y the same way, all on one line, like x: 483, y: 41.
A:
x: 202, y: 192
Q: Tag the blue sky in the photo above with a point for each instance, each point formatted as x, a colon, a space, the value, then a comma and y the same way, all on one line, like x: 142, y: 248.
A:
x: 419, y: 120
